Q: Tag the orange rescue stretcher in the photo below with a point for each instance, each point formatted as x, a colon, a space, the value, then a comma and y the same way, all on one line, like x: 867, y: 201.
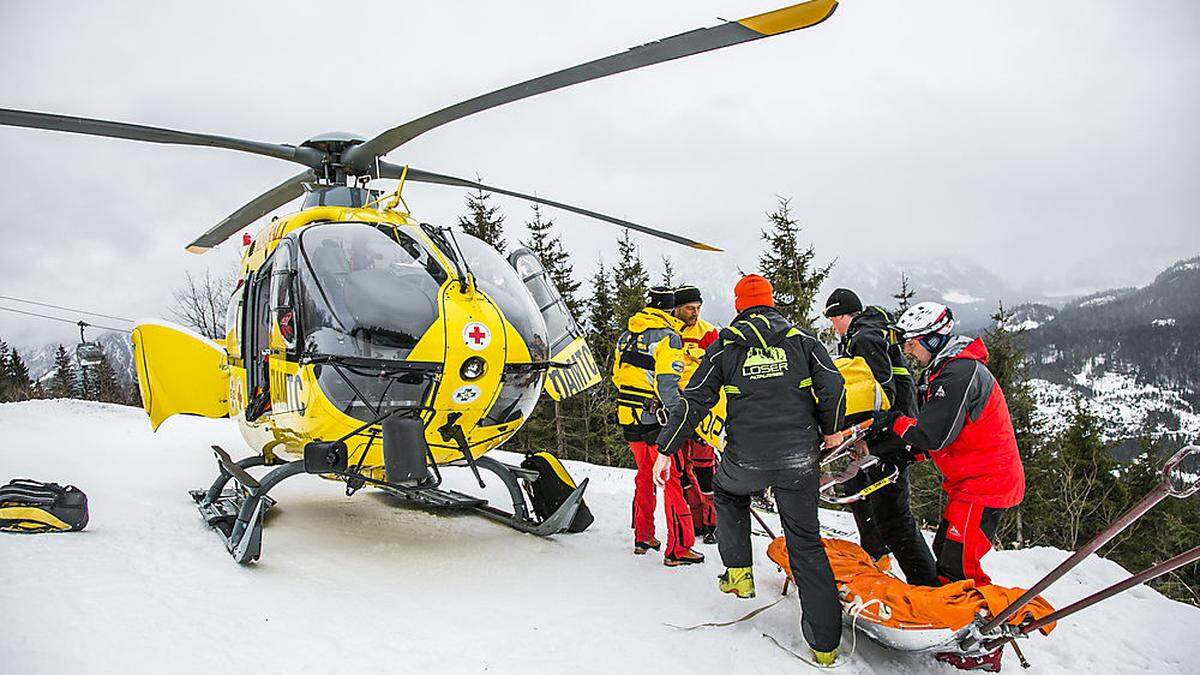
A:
x: 905, y: 617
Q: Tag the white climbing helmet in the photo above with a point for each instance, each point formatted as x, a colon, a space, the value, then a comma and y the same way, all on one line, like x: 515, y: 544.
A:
x: 924, y: 319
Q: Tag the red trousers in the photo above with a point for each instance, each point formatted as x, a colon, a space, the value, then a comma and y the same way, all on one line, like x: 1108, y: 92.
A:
x: 680, y: 535
x: 700, y: 461
x: 962, y: 539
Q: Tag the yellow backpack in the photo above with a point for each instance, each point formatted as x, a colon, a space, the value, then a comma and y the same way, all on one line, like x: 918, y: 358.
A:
x: 863, y: 393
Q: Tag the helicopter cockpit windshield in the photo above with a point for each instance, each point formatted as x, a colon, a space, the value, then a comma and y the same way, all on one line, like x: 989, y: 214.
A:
x: 369, y: 292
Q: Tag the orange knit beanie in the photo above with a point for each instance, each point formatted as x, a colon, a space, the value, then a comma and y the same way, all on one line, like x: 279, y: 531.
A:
x: 752, y: 291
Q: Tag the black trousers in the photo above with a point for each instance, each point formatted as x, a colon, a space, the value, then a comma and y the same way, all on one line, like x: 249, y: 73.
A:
x: 796, y: 500
x: 886, y: 523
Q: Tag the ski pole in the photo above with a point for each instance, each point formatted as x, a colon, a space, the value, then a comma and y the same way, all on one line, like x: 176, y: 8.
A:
x: 1154, y: 572
x: 1172, y: 484
x: 763, y: 523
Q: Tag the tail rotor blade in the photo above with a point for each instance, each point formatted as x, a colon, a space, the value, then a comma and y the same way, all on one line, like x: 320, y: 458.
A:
x: 388, y: 170
x: 693, y: 42
x: 252, y: 211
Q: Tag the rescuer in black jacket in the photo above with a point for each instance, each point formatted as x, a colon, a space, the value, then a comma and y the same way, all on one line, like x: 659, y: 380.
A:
x: 785, y: 400
x: 885, y: 520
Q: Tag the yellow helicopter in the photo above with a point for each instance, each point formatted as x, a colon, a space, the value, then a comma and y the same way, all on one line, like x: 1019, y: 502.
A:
x: 365, y: 346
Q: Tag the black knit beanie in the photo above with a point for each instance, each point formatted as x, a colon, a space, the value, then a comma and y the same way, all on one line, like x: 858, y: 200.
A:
x: 661, y: 297
x: 842, y: 301
x: 686, y: 294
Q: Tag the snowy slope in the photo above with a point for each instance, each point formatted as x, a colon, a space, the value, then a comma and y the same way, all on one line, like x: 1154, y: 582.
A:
x: 358, y: 585
x: 1124, y: 405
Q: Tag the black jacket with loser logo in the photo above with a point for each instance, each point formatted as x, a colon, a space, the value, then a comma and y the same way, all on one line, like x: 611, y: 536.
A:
x: 783, y: 394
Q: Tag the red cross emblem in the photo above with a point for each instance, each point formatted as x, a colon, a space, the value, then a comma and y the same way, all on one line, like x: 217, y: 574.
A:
x: 476, y: 335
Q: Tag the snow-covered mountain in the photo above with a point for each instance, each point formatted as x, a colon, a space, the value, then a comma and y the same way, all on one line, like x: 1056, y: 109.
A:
x: 1132, y: 355
x: 972, y: 291
x: 346, y: 585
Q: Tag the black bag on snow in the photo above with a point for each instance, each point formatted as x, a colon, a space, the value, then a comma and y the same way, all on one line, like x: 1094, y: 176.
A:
x: 32, y: 506
x: 552, y: 488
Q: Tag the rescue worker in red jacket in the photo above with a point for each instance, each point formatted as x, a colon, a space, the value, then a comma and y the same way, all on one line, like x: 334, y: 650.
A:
x: 964, y: 426
x: 699, y: 457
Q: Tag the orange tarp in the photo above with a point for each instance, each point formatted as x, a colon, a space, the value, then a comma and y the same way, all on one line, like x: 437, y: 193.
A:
x: 900, y: 605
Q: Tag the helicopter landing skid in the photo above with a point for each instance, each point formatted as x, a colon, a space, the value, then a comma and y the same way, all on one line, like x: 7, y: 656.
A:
x: 237, y: 513
x: 514, y: 478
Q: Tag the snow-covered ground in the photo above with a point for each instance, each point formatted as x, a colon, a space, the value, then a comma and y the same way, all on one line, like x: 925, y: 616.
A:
x: 359, y: 585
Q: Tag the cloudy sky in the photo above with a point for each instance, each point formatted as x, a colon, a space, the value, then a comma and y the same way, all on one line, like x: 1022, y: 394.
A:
x: 1055, y: 143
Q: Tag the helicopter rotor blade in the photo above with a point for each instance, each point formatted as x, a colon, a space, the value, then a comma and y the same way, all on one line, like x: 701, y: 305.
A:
x: 309, y: 157
x: 252, y: 211
x: 388, y: 170
x: 693, y: 42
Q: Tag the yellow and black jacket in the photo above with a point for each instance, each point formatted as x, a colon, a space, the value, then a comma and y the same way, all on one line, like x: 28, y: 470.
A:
x: 783, y: 391
x: 647, y: 365
x: 696, y: 338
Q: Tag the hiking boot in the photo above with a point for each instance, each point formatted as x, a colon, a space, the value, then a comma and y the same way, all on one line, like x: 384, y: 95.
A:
x: 688, y: 557
x: 641, y: 547
x: 737, y: 580
x: 824, y: 659
x: 989, y: 663
x: 710, y: 536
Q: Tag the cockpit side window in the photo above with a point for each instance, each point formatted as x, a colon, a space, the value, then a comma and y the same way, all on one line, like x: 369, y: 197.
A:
x: 560, y: 324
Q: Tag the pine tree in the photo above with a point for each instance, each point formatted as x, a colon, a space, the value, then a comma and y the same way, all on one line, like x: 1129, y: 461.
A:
x: 1074, y: 491
x: 602, y: 327
x: 904, y: 295
x: 104, y: 384
x: 6, y: 378
x: 549, y: 250
x: 791, y: 271
x: 631, y: 281
x: 483, y: 221
x: 65, y: 381
x: 1008, y: 364
x: 21, y: 384
x: 668, y: 275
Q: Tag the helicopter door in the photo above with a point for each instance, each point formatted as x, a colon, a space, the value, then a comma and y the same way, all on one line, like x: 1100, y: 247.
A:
x: 256, y: 343
x: 567, y: 345
x: 179, y: 372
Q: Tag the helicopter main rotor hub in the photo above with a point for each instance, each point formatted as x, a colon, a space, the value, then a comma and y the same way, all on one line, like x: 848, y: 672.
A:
x: 333, y: 145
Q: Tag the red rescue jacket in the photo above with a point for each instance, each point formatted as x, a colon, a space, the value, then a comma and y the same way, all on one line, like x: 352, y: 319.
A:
x: 964, y: 425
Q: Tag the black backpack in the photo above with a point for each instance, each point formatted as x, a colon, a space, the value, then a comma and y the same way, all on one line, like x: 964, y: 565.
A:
x: 31, y: 506
x: 552, y: 488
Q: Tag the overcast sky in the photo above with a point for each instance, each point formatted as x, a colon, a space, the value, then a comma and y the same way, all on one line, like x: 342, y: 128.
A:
x: 1055, y: 143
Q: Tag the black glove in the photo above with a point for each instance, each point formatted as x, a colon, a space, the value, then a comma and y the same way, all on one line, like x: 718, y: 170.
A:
x: 891, y: 449
x: 881, y: 424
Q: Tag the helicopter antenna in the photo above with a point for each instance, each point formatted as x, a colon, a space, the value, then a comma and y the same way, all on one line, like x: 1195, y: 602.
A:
x: 396, y: 196
x: 399, y: 194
